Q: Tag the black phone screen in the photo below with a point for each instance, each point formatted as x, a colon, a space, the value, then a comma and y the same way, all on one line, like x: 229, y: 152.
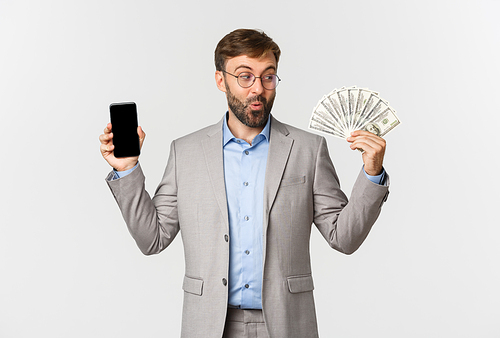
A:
x: 124, y: 128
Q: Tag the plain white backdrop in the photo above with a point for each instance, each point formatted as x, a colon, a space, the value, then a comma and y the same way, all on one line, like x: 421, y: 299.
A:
x: 69, y: 268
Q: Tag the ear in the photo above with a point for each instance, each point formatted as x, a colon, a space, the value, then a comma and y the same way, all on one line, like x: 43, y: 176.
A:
x: 220, y: 81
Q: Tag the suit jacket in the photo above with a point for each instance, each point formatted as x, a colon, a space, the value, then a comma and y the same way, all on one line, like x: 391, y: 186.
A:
x: 301, y: 188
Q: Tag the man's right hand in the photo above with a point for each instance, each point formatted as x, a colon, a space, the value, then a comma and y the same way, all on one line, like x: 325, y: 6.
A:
x: 107, y: 147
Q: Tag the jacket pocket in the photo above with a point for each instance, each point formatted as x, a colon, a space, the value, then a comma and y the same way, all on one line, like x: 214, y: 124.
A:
x: 292, y: 181
x: 301, y: 283
x: 193, y: 285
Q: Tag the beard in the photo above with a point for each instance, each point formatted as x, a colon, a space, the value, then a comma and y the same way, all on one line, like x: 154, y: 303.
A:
x: 246, y: 115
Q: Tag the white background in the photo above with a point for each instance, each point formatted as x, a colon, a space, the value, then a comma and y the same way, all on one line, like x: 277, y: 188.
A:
x: 69, y: 268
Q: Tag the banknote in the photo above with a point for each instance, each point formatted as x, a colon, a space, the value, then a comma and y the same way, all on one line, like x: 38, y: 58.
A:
x: 347, y: 109
x: 326, y: 113
x: 383, y: 123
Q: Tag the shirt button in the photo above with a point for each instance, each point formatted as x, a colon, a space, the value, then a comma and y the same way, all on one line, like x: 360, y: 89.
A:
x: 247, y: 152
x: 239, y: 141
x: 247, y: 286
x: 224, y: 281
x: 226, y: 238
x: 247, y: 252
x: 247, y: 218
x: 245, y: 184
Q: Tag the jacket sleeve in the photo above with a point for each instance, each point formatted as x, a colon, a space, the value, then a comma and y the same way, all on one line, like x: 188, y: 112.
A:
x: 344, y: 223
x: 153, y: 223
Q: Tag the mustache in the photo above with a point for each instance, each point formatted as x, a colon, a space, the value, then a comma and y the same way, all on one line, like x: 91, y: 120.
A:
x: 256, y: 98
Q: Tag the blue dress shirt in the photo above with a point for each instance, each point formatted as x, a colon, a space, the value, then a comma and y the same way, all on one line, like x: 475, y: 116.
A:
x: 244, y: 174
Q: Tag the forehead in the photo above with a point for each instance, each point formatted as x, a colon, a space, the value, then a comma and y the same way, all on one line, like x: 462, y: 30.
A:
x: 267, y: 61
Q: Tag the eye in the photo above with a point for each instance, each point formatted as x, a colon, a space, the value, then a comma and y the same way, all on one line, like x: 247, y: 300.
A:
x: 269, y: 77
x: 245, y: 76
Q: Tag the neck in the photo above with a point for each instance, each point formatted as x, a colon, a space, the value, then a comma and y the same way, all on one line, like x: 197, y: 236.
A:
x: 239, y: 130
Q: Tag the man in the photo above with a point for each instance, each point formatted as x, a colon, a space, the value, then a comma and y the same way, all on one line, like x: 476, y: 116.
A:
x: 244, y: 193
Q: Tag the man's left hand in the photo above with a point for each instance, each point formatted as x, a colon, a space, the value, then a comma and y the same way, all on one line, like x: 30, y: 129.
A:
x: 374, y: 150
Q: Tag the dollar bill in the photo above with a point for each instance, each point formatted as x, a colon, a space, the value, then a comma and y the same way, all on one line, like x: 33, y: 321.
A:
x: 319, y: 125
x: 350, y: 108
x: 327, y: 113
x: 373, y: 109
x: 343, y: 99
x: 353, y: 96
x: 361, y: 100
x: 383, y: 123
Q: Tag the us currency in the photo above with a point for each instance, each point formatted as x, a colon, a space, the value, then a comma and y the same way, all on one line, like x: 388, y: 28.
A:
x: 366, y: 109
x: 319, y: 125
x: 344, y: 107
x: 376, y: 109
x: 353, y: 95
x: 347, y: 109
x: 326, y: 112
x: 332, y: 103
x: 361, y: 100
x: 383, y: 123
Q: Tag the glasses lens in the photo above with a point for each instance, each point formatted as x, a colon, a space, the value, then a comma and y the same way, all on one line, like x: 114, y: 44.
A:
x: 246, y: 79
x: 270, y: 81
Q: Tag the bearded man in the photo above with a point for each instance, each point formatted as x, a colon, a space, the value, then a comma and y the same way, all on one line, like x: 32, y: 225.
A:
x: 244, y: 193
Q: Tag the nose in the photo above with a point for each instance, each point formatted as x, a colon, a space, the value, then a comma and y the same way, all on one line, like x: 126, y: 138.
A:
x: 257, y: 87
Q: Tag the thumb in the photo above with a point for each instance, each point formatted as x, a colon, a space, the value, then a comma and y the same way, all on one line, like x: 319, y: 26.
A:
x: 142, y: 135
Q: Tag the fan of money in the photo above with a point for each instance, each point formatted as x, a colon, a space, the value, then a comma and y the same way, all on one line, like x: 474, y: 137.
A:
x: 345, y: 110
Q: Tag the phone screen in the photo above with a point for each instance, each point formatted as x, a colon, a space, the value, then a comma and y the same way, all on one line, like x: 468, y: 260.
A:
x: 124, y: 128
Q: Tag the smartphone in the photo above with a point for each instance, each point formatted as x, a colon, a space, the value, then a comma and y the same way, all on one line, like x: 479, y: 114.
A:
x: 124, y: 127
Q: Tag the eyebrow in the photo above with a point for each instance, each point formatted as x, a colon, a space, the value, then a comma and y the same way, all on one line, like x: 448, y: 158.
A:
x: 250, y: 68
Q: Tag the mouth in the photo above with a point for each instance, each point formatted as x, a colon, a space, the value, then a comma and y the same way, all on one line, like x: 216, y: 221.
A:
x: 256, y: 106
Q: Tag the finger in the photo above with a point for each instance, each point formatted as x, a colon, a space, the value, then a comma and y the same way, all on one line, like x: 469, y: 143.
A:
x: 376, y: 143
x: 108, y: 129
x: 360, y: 145
x: 107, y: 148
x: 368, y: 145
x: 361, y: 133
x: 369, y: 136
x: 364, y: 133
x: 106, y: 138
x: 142, y: 135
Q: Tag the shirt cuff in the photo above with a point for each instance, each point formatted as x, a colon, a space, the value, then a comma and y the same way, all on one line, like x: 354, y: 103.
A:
x: 120, y: 174
x: 378, y: 179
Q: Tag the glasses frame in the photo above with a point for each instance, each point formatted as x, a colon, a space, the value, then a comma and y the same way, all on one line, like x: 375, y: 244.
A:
x: 254, y: 78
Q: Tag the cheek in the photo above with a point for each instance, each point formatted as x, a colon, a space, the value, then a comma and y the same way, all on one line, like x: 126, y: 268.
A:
x: 270, y: 97
x: 241, y: 96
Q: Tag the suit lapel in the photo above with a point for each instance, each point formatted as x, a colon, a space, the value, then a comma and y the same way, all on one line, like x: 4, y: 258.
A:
x: 279, y: 150
x: 212, y: 148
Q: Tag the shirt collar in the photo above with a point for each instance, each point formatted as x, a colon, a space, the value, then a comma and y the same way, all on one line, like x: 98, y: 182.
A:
x: 228, y: 136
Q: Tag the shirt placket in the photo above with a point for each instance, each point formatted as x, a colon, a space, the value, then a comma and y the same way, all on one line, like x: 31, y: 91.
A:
x: 247, y: 221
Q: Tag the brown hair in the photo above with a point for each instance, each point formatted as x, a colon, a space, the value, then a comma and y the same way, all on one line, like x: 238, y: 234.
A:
x: 250, y: 42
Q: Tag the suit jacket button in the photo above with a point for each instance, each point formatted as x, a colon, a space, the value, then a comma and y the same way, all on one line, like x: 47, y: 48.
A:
x: 226, y: 238
x: 224, y: 281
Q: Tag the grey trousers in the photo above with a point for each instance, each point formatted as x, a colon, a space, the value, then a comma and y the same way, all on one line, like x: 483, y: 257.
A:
x: 245, y: 324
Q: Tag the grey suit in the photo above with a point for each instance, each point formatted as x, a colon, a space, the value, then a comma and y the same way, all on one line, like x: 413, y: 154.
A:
x: 301, y: 187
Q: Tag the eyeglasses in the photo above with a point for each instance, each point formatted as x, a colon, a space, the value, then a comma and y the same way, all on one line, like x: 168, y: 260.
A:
x: 246, y: 79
